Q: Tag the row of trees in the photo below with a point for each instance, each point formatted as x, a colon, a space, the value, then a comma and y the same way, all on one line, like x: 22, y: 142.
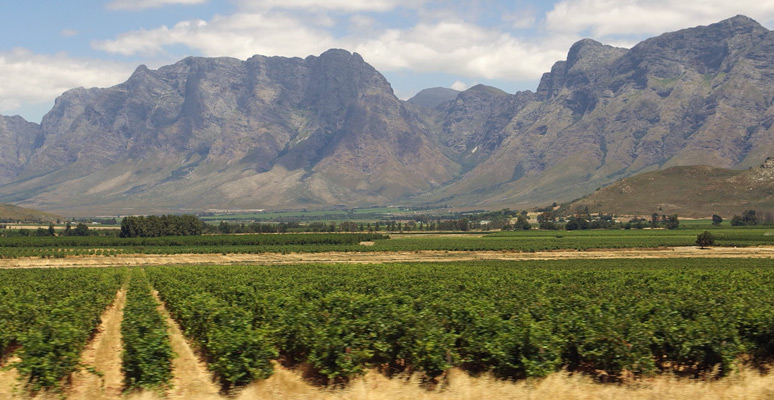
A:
x: 165, y: 225
x: 751, y: 218
x: 80, y: 229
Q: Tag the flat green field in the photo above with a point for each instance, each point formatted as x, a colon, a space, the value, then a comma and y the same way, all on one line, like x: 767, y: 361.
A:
x: 517, y: 241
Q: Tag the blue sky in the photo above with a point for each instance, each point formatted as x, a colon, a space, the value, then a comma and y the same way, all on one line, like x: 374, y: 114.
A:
x: 49, y: 46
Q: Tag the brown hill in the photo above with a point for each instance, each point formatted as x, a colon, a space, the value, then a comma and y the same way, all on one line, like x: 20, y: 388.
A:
x: 690, y: 191
x: 11, y: 213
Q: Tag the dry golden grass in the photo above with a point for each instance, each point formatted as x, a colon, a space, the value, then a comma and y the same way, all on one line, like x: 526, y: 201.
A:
x: 747, y: 384
x: 382, y: 257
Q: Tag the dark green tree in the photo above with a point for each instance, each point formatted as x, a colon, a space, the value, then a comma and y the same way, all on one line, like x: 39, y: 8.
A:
x: 749, y: 217
x: 716, y: 219
x: 705, y: 239
x: 547, y: 220
x: 672, y: 222
x: 81, y: 230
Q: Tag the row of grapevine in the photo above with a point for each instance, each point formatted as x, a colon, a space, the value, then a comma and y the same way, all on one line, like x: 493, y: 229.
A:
x: 288, y: 239
x: 237, y: 351
x: 517, y: 320
x: 50, y: 315
x: 147, y: 355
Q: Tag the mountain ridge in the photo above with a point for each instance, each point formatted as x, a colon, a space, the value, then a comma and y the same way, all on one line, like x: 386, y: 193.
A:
x: 275, y: 132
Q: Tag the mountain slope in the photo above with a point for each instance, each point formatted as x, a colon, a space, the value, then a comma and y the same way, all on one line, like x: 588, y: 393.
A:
x: 275, y: 132
x: 698, y: 96
x: 202, y: 133
x: 690, y: 191
x: 433, y: 97
x: 12, y: 213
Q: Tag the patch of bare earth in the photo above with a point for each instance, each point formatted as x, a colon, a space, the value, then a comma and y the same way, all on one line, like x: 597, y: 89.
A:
x: 8, y: 379
x: 384, y: 257
x: 103, y: 353
x: 191, y: 378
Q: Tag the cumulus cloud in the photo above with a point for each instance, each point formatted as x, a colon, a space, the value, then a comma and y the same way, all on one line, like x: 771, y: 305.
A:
x: 606, y: 18
x: 39, y: 78
x: 450, y: 47
x: 338, y: 5
x: 143, y: 4
x: 459, y: 85
x: 461, y: 49
x: 239, y: 35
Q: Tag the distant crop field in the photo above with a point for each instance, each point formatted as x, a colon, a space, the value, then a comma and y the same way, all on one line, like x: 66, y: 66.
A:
x: 513, y: 241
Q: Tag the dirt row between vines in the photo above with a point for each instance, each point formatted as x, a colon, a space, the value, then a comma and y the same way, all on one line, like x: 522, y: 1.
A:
x: 383, y: 257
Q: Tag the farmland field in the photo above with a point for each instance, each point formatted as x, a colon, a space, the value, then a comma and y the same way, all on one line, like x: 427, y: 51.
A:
x: 515, y: 320
x: 341, y: 309
x: 521, y: 241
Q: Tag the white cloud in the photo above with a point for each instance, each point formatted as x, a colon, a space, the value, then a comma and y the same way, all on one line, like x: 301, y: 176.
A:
x: 603, y: 18
x: 459, y: 85
x: 238, y: 35
x: 143, y: 4
x: 461, y: 49
x: 338, y: 5
x: 38, y: 78
x: 449, y: 47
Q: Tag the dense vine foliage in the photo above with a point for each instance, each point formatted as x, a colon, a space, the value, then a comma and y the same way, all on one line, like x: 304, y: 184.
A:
x: 58, y: 247
x: 147, y: 355
x: 51, y: 314
x: 517, y: 320
x: 164, y: 225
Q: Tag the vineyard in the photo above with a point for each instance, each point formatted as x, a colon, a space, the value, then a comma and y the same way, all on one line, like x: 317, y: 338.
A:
x: 519, y: 241
x: 694, y: 317
x: 49, y: 316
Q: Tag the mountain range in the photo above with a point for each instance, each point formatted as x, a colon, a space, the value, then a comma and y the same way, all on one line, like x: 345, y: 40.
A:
x: 275, y: 132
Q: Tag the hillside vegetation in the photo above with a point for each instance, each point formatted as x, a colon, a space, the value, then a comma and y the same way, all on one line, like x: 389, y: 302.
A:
x: 12, y: 213
x: 689, y: 191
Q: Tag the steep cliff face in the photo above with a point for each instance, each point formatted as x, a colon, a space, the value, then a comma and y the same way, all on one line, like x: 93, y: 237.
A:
x: 206, y: 132
x: 18, y: 141
x: 328, y: 130
x: 697, y: 96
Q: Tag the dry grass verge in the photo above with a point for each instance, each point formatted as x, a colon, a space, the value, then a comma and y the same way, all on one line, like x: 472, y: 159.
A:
x: 383, y: 257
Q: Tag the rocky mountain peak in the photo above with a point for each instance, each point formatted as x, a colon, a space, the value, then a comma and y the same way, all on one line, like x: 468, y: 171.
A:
x: 740, y: 23
x: 328, y: 130
x: 433, y: 97
x: 586, y: 61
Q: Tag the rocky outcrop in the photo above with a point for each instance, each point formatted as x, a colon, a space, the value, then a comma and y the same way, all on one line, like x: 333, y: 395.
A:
x: 18, y: 140
x: 206, y: 132
x: 274, y: 132
x: 697, y: 96
x: 433, y: 97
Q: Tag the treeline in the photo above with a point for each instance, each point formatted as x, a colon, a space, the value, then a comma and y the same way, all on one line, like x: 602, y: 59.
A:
x: 164, y: 225
x: 79, y: 230
x: 752, y: 218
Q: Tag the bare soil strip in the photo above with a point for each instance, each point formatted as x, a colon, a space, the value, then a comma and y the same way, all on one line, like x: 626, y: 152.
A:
x: 192, y: 379
x: 384, y: 257
x: 104, y: 354
x: 8, y: 379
